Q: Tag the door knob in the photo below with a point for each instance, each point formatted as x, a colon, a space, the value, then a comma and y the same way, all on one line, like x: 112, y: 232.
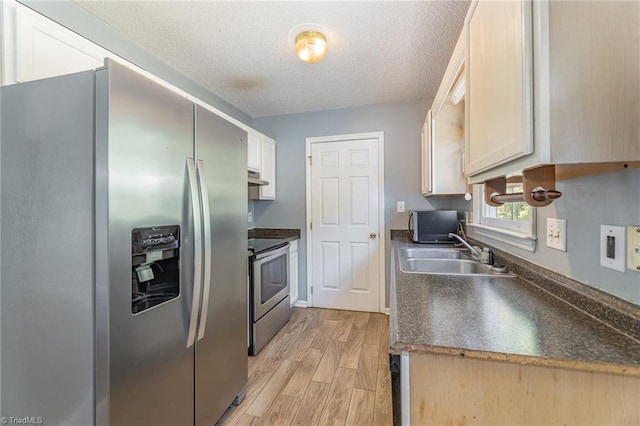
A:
x: 373, y: 235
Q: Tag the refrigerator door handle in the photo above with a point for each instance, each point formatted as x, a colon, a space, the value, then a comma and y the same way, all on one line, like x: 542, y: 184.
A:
x: 197, y: 252
x: 204, y: 196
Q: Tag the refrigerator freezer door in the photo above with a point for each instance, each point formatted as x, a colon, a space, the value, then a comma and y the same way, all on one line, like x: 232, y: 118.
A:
x: 148, y: 137
x: 221, y: 354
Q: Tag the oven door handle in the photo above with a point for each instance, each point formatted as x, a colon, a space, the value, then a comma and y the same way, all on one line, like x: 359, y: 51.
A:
x: 267, y: 256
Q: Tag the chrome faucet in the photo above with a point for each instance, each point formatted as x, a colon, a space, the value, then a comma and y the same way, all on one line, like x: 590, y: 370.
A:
x: 474, y: 253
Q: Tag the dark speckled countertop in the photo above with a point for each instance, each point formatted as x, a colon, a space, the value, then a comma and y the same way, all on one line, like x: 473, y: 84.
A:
x: 289, y: 234
x: 506, y: 319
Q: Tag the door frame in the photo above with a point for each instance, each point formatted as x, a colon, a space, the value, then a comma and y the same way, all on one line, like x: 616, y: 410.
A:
x: 381, y: 224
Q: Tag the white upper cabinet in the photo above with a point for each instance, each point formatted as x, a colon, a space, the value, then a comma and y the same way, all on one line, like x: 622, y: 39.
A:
x: 268, y: 192
x: 41, y: 48
x: 443, y: 132
x: 588, y: 75
x: 426, y: 168
x: 266, y: 151
x: 499, y: 102
x: 254, y: 152
x: 585, y: 68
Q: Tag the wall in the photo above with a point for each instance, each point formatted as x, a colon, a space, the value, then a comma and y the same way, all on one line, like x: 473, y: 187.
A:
x: 401, y: 124
x: 587, y: 203
x: 78, y: 20
x: 250, y: 209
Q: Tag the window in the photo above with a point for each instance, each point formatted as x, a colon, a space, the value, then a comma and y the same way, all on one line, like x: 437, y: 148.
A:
x: 512, y: 222
x: 512, y: 216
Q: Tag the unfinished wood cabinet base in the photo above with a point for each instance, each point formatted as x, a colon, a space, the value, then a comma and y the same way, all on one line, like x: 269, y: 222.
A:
x: 455, y: 390
x: 492, y: 188
x: 541, y: 181
x: 571, y: 171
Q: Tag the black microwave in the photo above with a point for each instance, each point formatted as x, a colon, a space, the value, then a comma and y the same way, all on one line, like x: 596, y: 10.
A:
x: 433, y: 226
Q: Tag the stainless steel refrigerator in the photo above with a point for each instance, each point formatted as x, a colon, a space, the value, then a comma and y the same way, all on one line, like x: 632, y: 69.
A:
x: 123, y: 253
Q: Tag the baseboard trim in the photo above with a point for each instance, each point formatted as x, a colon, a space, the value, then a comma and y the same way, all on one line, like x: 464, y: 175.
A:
x: 304, y: 304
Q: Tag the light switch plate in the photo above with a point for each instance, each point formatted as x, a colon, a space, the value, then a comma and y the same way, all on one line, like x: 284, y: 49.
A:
x: 617, y: 246
x: 250, y: 217
x: 633, y: 248
x: 557, y: 233
x: 400, y: 207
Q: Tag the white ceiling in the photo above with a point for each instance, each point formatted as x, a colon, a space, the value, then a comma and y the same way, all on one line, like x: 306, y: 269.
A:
x: 385, y: 51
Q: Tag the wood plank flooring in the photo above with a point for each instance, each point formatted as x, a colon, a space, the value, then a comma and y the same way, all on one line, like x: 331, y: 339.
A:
x: 325, y: 367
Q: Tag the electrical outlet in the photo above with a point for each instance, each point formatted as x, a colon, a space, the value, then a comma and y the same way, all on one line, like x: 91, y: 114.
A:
x: 557, y: 233
x: 633, y: 248
x: 250, y: 217
x: 612, y: 247
x: 400, y: 207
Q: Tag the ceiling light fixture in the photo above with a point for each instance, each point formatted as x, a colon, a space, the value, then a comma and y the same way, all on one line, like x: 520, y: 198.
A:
x: 311, y: 46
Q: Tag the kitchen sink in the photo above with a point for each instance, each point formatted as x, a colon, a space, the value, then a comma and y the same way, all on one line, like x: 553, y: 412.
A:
x: 443, y: 266
x: 416, y: 265
x: 433, y: 253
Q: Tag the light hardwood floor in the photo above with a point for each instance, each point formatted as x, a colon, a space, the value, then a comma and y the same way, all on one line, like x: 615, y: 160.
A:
x: 324, y: 367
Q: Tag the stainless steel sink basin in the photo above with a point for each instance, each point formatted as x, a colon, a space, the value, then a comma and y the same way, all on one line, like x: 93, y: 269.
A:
x: 448, y: 267
x: 433, y: 253
x: 443, y: 266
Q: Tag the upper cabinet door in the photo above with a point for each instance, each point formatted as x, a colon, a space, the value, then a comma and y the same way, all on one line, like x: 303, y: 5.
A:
x: 254, y: 152
x: 445, y: 128
x: 46, y: 49
x: 426, y: 155
x: 268, y: 192
x: 499, y: 110
x: 593, y: 66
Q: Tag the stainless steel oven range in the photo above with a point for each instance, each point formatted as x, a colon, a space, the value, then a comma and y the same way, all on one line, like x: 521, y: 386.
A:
x: 268, y: 291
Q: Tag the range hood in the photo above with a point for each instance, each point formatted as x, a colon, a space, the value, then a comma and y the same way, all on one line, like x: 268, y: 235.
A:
x: 254, y: 179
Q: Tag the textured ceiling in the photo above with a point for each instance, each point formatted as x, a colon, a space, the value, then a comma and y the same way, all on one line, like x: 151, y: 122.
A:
x: 379, y: 52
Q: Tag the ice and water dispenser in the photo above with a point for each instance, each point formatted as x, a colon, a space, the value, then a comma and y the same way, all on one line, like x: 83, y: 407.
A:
x: 155, y: 266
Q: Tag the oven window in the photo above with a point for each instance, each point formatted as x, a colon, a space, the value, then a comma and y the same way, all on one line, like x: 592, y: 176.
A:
x: 273, y: 277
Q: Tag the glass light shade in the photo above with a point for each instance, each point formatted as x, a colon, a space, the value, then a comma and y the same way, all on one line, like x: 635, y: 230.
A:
x: 311, y: 46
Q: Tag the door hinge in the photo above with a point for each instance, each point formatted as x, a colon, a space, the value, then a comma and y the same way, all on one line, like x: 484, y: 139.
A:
x: 312, y: 290
x: 311, y: 226
x: 310, y: 160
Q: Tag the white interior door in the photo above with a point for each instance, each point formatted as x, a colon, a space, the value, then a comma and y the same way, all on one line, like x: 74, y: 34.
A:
x: 345, y: 230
